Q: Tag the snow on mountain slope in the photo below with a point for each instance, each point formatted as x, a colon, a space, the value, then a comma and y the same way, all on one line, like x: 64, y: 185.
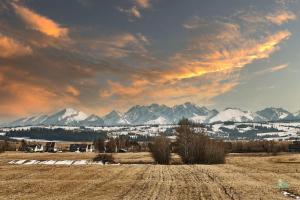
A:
x: 92, y: 120
x: 233, y: 114
x: 140, y: 114
x: 159, y: 120
x: 36, y: 120
x: 68, y: 116
x: 297, y: 115
x: 199, y: 118
x: 19, y: 122
x: 114, y: 118
x: 275, y: 114
x: 29, y: 121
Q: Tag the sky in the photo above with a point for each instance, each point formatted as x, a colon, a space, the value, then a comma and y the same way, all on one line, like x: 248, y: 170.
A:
x: 98, y: 56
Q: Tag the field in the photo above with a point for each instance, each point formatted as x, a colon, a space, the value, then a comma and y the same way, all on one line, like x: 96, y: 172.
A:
x: 244, y: 176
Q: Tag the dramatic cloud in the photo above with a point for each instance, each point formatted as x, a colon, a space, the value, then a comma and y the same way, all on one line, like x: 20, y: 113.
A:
x: 208, y: 65
x: 40, y: 23
x: 109, y: 66
x: 10, y: 47
x: 225, y: 49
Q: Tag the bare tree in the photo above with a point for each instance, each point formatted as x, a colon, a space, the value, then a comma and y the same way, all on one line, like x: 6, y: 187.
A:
x: 160, y: 150
x: 99, y: 145
x: 195, y: 147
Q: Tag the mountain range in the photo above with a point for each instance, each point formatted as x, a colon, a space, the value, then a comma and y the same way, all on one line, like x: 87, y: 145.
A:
x: 156, y: 114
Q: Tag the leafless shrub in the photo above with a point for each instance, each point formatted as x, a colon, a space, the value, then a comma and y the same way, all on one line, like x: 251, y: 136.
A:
x: 104, y: 157
x: 160, y: 150
x: 197, y: 147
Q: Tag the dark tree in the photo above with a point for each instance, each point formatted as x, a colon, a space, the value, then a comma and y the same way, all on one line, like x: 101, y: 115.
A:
x: 160, y: 150
x: 99, y: 145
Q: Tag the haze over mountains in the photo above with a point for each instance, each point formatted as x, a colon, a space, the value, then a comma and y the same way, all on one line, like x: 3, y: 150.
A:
x: 156, y: 114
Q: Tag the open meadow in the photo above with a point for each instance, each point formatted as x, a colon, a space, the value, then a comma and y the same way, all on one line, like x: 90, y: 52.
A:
x: 244, y: 176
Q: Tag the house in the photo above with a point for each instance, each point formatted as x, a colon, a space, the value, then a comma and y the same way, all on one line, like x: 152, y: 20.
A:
x: 294, y: 147
x: 34, y: 148
x: 50, y: 147
x: 81, y: 148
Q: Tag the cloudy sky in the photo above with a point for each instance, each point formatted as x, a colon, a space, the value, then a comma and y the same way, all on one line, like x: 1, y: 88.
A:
x: 97, y: 56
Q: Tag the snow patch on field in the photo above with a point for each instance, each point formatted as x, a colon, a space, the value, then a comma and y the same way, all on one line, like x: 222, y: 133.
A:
x: 58, y: 162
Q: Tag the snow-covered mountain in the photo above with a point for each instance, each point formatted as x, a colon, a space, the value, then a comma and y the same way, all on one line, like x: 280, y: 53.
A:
x: 297, y: 115
x: 92, y: 120
x: 167, y: 115
x: 67, y: 116
x: 156, y: 114
x: 160, y: 120
x: 29, y: 121
x: 275, y: 114
x: 235, y: 115
x: 193, y: 112
x: 114, y: 118
x: 141, y: 114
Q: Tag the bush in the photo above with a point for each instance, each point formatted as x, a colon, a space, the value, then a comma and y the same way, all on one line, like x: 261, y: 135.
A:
x: 197, y: 148
x: 104, y: 157
x: 160, y: 150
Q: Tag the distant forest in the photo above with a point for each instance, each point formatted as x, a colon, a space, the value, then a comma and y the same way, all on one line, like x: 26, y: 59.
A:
x: 58, y: 134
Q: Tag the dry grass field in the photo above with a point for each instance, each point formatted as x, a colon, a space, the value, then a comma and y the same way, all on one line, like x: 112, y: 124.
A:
x: 247, y: 176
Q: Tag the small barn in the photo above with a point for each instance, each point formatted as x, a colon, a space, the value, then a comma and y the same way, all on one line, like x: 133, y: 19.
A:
x: 81, y: 148
x: 34, y: 148
x: 294, y: 147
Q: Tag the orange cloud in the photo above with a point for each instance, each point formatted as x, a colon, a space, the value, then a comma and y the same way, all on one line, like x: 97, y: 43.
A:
x: 40, y: 23
x: 10, y: 47
x: 120, y: 45
x: 72, y: 90
x: 143, y: 3
x: 281, y: 17
x: 117, y: 89
x: 21, y: 97
x: 191, y: 65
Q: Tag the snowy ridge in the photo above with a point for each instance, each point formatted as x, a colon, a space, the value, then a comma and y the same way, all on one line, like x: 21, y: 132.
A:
x: 156, y: 114
x: 233, y: 114
x: 160, y: 120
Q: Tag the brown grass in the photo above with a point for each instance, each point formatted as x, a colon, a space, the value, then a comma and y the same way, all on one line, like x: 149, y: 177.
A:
x: 242, y: 177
